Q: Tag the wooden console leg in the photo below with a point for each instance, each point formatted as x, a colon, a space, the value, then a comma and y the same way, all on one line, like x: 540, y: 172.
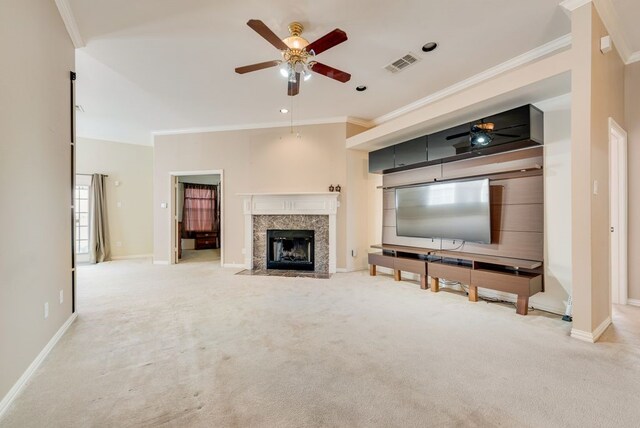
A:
x: 435, y: 284
x: 423, y: 282
x: 522, y: 307
x: 473, y: 293
x: 372, y: 270
x: 397, y: 275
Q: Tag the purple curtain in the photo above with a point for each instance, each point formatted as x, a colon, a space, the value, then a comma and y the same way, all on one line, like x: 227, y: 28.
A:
x: 200, y: 208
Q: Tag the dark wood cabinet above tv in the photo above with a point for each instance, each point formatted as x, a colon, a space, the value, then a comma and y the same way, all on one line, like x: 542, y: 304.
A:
x: 411, y: 152
x: 510, y: 130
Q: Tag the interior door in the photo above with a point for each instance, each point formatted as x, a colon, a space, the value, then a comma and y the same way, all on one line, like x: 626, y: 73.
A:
x: 176, y: 230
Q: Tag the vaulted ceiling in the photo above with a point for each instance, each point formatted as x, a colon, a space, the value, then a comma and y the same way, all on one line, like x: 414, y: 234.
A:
x: 152, y: 65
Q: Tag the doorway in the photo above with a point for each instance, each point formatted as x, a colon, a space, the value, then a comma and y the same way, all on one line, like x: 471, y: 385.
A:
x: 197, y: 226
x: 618, y: 212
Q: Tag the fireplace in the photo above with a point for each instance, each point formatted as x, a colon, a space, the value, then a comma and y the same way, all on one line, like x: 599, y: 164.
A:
x: 290, y: 249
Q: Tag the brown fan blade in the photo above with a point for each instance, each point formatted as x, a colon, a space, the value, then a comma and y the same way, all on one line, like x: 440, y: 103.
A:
x: 256, y: 67
x: 331, y: 72
x: 262, y: 29
x: 327, y: 41
x: 294, y: 87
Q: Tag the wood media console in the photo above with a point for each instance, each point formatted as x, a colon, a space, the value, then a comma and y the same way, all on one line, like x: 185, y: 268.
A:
x: 509, y: 275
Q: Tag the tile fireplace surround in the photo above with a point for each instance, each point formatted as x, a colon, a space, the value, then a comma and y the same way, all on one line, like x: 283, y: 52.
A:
x: 304, y: 211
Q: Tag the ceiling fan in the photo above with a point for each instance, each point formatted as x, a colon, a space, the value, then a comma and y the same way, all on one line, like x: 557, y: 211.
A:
x: 296, y: 54
x: 481, y: 134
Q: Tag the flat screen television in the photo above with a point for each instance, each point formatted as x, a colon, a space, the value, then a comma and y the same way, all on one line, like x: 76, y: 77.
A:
x: 458, y: 210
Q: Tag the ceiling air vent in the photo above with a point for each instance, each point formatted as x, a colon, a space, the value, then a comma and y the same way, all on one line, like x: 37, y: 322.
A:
x: 402, y: 63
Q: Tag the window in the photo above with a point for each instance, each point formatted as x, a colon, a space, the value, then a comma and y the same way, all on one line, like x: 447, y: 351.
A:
x: 81, y: 206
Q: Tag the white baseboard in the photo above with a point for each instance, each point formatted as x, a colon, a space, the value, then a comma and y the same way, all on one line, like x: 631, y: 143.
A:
x: 633, y: 302
x: 160, y: 262
x: 234, y: 265
x: 134, y: 256
x: 17, y: 387
x: 591, y: 337
x: 342, y: 270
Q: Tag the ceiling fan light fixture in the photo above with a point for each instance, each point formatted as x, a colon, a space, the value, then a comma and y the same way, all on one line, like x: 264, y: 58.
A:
x: 284, y: 70
x: 296, y: 42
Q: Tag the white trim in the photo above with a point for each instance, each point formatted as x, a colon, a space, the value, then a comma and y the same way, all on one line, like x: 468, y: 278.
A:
x: 591, y: 337
x: 634, y: 57
x: 133, y: 256
x: 527, y: 57
x: 618, y: 209
x: 361, y: 122
x: 234, y: 265
x: 633, y: 302
x: 571, y: 5
x: 240, y: 127
x: 161, y: 262
x: 342, y: 270
x: 70, y: 22
x: 17, y: 387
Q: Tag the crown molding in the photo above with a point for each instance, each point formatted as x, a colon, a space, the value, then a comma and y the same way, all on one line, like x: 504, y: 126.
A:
x: 323, y: 121
x: 534, y: 54
x: 70, y: 22
x: 360, y: 122
x: 611, y: 21
x: 634, y: 57
x: 571, y: 5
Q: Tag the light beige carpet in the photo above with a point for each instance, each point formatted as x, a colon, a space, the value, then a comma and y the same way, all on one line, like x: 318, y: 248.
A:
x: 195, y: 345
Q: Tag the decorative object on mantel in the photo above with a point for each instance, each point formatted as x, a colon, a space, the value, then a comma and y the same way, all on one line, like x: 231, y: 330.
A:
x: 338, y: 188
x: 331, y: 188
x: 296, y: 52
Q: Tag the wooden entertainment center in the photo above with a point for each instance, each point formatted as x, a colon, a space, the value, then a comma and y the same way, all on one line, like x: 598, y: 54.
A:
x: 517, y: 276
x: 512, y: 262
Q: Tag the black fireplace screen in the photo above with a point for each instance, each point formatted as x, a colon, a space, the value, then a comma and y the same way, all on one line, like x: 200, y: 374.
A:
x: 290, y: 249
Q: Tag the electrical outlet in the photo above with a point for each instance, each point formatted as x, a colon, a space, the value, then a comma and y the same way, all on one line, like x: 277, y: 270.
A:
x: 244, y: 251
x: 61, y: 296
x: 46, y: 310
x: 119, y: 244
x: 119, y: 204
x: 595, y: 187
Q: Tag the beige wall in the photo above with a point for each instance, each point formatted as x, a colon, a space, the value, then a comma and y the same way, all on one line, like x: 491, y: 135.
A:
x: 557, y: 206
x: 36, y: 57
x: 132, y: 166
x: 255, y: 161
x: 597, y: 94
x: 632, y: 119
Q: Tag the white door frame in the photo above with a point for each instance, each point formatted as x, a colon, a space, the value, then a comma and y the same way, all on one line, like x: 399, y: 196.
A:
x: 618, y: 209
x: 173, y: 175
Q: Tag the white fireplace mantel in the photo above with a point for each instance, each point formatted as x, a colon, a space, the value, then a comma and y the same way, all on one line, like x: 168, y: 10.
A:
x: 321, y: 203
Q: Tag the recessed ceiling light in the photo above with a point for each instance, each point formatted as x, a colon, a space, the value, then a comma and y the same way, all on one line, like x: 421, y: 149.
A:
x: 361, y: 88
x: 428, y: 47
x: 284, y: 111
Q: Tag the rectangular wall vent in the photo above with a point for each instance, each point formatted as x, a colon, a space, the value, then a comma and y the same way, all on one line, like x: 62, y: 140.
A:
x: 402, y: 63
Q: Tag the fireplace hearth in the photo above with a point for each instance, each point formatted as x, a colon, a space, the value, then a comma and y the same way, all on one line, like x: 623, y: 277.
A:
x: 290, y: 249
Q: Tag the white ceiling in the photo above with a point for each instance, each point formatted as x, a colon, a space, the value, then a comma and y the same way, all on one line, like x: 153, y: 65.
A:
x: 152, y: 65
